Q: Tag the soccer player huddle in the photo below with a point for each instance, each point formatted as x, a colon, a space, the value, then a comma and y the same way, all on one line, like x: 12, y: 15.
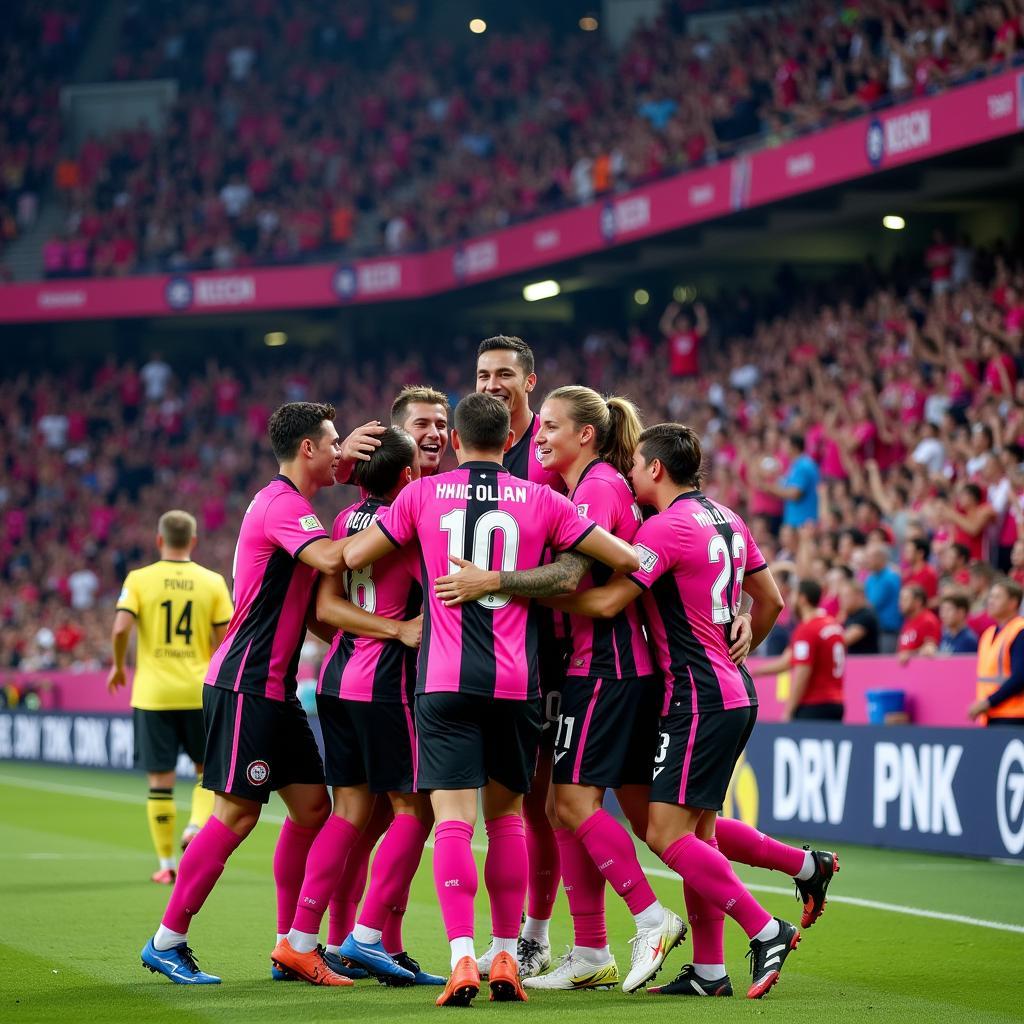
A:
x: 511, y: 635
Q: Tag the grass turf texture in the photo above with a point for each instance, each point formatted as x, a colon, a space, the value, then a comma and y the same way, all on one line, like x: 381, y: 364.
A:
x: 76, y: 906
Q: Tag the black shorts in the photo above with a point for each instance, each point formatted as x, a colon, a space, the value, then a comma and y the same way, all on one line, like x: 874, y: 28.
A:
x: 465, y: 739
x: 367, y: 744
x: 554, y: 659
x: 818, y: 713
x: 697, y: 754
x: 608, y: 731
x: 255, y: 745
x: 160, y: 736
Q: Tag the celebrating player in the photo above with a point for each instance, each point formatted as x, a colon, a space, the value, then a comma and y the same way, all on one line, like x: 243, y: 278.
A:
x: 257, y: 735
x: 179, y: 607
x: 477, y: 706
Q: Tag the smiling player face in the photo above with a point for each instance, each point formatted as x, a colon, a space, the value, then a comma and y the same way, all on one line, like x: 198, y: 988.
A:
x: 499, y: 373
x: 427, y: 424
x: 559, y: 441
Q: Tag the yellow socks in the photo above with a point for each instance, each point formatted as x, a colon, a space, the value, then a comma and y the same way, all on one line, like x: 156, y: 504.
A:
x: 202, y: 804
x: 161, y: 813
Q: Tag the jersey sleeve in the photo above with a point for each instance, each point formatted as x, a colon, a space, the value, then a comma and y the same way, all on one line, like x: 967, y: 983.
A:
x: 223, y: 609
x: 290, y: 523
x: 128, y: 599
x: 755, y: 560
x: 651, y: 547
x: 597, y: 500
x: 567, y: 526
x: 803, y: 646
x: 398, y: 523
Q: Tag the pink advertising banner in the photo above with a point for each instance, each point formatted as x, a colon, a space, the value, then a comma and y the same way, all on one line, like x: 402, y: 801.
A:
x: 915, y: 131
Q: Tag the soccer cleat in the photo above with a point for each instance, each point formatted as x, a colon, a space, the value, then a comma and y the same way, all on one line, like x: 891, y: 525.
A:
x: 689, y: 983
x: 767, y: 958
x: 504, y: 980
x: 311, y: 966
x: 419, y: 976
x: 177, y: 963
x: 191, y: 831
x: 277, y: 974
x: 577, y: 972
x: 650, y: 947
x: 165, y: 876
x: 534, y: 957
x: 376, y: 960
x: 812, y: 892
x: 343, y: 966
x: 483, y: 962
x: 463, y: 985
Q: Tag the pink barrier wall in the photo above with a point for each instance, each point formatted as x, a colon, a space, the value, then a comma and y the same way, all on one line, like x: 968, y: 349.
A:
x: 938, y: 689
x: 71, y: 691
x: 915, y: 131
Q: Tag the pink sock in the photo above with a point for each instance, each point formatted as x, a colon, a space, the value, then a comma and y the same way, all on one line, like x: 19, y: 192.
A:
x: 324, y: 867
x: 542, y: 853
x: 712, y: 876
x: 455, y: 876
x: 611, y: 849
x: 289, y: 866
x: 506, y: 874
x: 391, y: 933
x: 201, y: 865
x: 707, y: 924
x: 393, y: 869
x: 350, y: 890
x: 745, y: 845
x: 584, y: 889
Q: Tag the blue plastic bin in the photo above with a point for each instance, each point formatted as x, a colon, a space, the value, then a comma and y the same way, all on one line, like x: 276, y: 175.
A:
x: 884, y: 702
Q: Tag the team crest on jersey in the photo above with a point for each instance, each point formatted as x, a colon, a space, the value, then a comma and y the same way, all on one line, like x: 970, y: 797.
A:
x: 258, y: 772
x: 310, y: 523
x: 584, y: 511
x: 648, y: 558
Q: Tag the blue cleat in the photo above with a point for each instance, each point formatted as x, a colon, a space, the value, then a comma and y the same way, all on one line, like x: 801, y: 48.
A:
x: 178, y: 964
x: 420, y: 977
x: 377, y: 961
x: 344, y: 967
x: 280, y: 974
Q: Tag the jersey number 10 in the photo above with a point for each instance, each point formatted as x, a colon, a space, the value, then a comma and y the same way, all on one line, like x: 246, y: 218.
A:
x: 491, y: 522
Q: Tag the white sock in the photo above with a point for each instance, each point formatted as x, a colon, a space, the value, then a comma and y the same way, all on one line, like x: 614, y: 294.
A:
x: 302, y: 942
x: 808, y: 869
x: 592, y: 954
x: 167, y: 862
x: 504, y: 945
x: 769, y: 931
x: 462, y: 946
x: 536, y: 929
x: 336, y: 950
x: 709, y: 972
x: 166, y: 939
x: 282, y: 935
x: 651, y: 917
x: 368, y: 936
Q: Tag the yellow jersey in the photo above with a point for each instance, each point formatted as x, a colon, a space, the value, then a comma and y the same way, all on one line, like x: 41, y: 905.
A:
x: 176, y: 605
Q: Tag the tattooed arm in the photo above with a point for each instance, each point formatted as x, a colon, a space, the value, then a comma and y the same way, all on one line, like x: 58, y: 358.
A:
x: 469, y: 582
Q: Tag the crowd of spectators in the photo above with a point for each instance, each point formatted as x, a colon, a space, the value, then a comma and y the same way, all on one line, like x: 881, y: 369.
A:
x: 876, y: 446
x: 311, y: 128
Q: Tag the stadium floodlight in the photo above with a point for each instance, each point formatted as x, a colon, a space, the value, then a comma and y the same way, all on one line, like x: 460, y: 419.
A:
x: 275, y: 339
x: 641, y: 296
x: 478, y: 26
x: 893, y: 222
x: 541, y: 290
x: 588, y: 23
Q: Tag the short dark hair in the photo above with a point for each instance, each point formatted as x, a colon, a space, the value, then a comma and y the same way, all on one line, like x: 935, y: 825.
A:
x: 974, y: 491
x: 958, y: 599
x: 1011, y: 586
x: 811, y: 590
x: 918, y: 592
x: 963, y: 551
x: 979, y: 567
x: 922, y: 545
x: 678, y: 448
x: 380, y: 474
x: 411, y: 394
x: 797, y: 441
x: 293, y: 422
x: 482, y: 422
x: 509, y: 343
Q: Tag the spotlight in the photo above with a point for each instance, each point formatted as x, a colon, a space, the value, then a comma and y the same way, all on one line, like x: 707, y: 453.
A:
x: 541, y: 290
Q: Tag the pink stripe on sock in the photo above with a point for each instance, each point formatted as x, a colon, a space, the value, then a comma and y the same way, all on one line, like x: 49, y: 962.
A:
x: 584, y: 889
x: 393, y: 870
x: 712, y: 876
x: 201, y: 865
x: 544, y: 864
x: 584, y: 731
x: 506, y: 874
x: 455, y: 876
x: 707, y: 924
x: 611, y: 849
x: 324, y: 867
x: 234, y: 742
x: 745, y: 845
x: 290, y: 855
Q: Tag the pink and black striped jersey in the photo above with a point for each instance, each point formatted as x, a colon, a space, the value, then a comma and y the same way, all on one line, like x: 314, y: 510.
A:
x: 273, y: 589
x: 693, y: 557
x: 358, y: 667
x: 608, y: 648
x: 482, y: 513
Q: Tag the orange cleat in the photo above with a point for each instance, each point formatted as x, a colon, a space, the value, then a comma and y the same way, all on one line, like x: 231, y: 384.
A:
x: 506, y: 986
x: 311, y: 967
x: 165, y: 876
x: 463, y: 985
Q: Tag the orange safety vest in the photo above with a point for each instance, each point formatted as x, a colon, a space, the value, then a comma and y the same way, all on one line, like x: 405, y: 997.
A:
x: 994, y: 667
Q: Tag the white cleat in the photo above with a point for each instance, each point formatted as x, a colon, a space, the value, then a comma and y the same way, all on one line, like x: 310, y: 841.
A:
x: 534, y: 957
x: 483, y: 962
x: 577, y: 972
x: 650, y: 948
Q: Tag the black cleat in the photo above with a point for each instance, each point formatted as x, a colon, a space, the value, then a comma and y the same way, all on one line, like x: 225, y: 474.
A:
x: 689, y: 983
x: 767, y: 958
x: 812, y: 892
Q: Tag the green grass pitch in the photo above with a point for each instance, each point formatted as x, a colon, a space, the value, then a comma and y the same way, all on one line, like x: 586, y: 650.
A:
x: 76, y: 906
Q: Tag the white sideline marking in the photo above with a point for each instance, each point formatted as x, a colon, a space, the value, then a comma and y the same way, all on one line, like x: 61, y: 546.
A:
x: 276, y: 819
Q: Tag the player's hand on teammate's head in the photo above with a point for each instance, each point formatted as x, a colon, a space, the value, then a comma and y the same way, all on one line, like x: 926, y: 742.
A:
x: 467, y: 583
x: 411, y: 632
x: 116, y: 679
x: 739, y: 639
x: 360, y: 445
